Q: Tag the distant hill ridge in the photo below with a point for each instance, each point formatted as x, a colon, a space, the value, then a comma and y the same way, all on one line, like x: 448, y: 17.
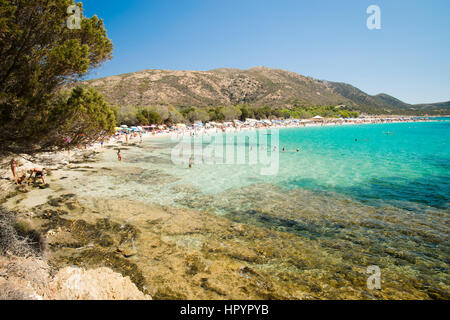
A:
x: 258, y: 86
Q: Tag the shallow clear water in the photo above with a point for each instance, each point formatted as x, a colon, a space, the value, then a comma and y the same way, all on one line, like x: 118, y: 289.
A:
x: 410, y: 165
x: 366, y: 195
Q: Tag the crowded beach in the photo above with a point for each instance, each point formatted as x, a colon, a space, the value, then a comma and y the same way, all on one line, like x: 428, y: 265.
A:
x: 29, y: 172
x: 127, y: 134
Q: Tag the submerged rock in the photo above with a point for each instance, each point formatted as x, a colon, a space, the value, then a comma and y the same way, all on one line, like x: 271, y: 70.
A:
x: 127, y: 252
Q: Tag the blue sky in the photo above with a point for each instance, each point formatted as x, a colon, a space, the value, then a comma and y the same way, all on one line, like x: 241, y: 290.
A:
x: 408, y: 58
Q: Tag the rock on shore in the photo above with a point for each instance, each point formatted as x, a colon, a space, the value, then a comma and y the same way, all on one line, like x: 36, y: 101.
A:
x: 98, y: 284
x: 30, y: 279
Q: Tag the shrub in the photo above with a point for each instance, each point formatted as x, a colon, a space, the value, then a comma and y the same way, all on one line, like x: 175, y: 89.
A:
x: 12, y: 242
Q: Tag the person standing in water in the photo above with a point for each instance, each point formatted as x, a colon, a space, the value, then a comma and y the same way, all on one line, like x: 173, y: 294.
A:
x: 68, y: 140
x: 38, y: 173
x: 119, y: 155
x: 191, y: 162
x: 13, y: 164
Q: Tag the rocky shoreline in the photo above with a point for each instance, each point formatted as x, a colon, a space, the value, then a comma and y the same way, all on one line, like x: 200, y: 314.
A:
x: 168, y: 253
x: 38, y: 275
x: 76, y: 235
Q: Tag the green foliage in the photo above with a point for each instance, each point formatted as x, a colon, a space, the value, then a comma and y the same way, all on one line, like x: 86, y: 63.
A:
x: 245, y: 112
x: 39, y: 55
x: 170, y: 115
x: 174, y: 116
x: 147, y: 116
x: 195, y: 114
x: 132, y: 116
x: 127, y: 115
x: 231, y: 113
x: 83, y: 118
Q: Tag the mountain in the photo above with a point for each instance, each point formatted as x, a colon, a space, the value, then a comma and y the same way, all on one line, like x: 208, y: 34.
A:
x: 258, y: 86
x: 436, y: 108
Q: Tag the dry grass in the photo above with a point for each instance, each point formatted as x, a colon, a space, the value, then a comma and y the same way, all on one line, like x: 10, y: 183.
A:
x: 20, y: 261
x: 26, y: 275
x: 8, y: 291
x: 16, y: 241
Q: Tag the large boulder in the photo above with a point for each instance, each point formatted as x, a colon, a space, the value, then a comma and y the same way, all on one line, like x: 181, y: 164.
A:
x: 97, y: 284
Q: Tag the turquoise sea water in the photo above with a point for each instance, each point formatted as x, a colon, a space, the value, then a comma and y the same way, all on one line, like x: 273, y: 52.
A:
x: 407, y: 164
x: 364, y: 194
